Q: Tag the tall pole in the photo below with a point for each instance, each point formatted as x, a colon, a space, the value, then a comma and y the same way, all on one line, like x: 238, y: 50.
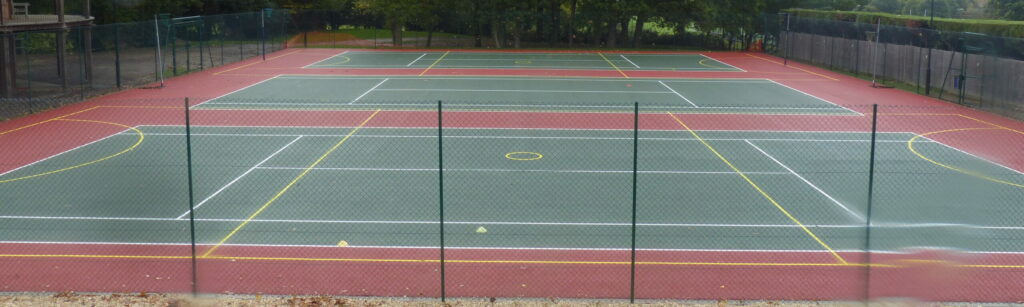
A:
x: 927, y: 40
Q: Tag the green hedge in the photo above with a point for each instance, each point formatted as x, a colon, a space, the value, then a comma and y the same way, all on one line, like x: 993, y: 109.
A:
x: 988, y: 26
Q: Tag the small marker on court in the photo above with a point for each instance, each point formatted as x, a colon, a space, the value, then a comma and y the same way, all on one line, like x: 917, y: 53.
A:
x: 481, y: 229
x: 342, y: 243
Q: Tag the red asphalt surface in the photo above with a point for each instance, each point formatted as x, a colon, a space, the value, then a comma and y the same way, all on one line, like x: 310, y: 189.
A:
x: 509, y: 273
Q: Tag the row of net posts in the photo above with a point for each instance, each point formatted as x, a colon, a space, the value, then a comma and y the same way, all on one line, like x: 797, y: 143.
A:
x: 629, y: 205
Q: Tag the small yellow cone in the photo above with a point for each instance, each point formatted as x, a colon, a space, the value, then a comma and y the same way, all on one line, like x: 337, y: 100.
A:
x: 342, y: 243
x: 481, y: 229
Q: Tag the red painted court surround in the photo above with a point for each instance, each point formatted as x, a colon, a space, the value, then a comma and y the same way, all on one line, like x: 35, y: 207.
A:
x: 584, y: 274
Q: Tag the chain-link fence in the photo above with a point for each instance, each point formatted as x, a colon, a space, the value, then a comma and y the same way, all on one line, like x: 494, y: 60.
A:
x: 968, y: 68
x: 56, y: 67
x: 901, y: 202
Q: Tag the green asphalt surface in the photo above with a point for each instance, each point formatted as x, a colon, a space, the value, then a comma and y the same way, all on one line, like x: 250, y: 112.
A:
x: 757, y: 96
x: 524, y: 60
x: 380, y: 188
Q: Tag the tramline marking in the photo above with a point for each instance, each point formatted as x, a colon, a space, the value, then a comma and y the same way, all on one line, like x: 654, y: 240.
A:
x: 368, y: 91
x: 254, y: 167
x: 627, y: 60
x: 808, y: 182
x: 760, y: 190
x: 678, y: 94
x: 416, y: 60
x: 291, y: 184
x: 528, y: 78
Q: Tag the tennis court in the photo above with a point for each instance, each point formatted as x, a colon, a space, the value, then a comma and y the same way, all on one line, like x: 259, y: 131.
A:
x: 312, y: 181
x: 524, y: 60
x: 297, y: 92
x: 379, y: 188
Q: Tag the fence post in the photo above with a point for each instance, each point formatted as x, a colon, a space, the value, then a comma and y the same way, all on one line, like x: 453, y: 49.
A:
x: 191, y: 197
x: 263, y: 33
x: 871, y: 193
x: 440, y: 193
x: 632, y: 247
x: 117, y: 54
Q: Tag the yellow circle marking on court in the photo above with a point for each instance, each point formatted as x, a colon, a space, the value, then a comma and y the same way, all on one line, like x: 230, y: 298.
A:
x: 347, y: 59
x: 141, y: 136
x: 523, y: 156
x: 910, y: 145
x: 705, y: 64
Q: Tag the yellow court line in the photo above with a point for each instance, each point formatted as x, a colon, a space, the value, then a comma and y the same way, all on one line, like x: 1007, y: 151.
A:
x: 290, y: 184
x: 613, y: 65
x: 910, y: 145
x: 48, y: 120
x: 991, y: 124
x: 138, y: 132
x: 794, y: 67
x: 758, y: 188
x: 703, y: 63
x: 435, y: 63
x: 257, y: 62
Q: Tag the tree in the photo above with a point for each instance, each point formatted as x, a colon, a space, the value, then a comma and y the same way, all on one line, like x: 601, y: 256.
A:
x: 1007, y: 9
x: 396, y: 14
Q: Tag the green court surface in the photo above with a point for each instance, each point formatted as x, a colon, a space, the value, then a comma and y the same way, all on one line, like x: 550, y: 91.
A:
x: 504, y: 60
x: 529, y: 188
x: 759, y: 96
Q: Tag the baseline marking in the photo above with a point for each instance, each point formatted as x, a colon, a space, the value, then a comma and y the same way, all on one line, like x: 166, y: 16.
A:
x: 793, y: 67
x: 290, y: 184
x: 257, y: 62
x: 815, y: 97
x: 236, y: 91
x: 678, y: 94
x: 808, y: 182
x: 63, y: 152
x: 201, y: 203
x: 758, y: 188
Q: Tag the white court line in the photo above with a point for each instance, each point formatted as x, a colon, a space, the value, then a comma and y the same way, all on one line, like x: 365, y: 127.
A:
x: 335, y: 246
x: 655, y: 107
x: 66, y: 151
x: 515, y: 170
x: 539, y: 129
x: 327, y: 77
x: 808, y: 182
x: 328, y: 58
x: 236, y: 91
x: 627, y: 60
x: 815, y: 97
x: 723, y: 63
x: 515, y: 91
x: 524, y: 137
x: 678, y: 94
x: 368, y: 91
x: 973, y: 155
x: 416, y: 60
x: 201, y: 203
x: 882, y: 225
x: 528, y: 67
